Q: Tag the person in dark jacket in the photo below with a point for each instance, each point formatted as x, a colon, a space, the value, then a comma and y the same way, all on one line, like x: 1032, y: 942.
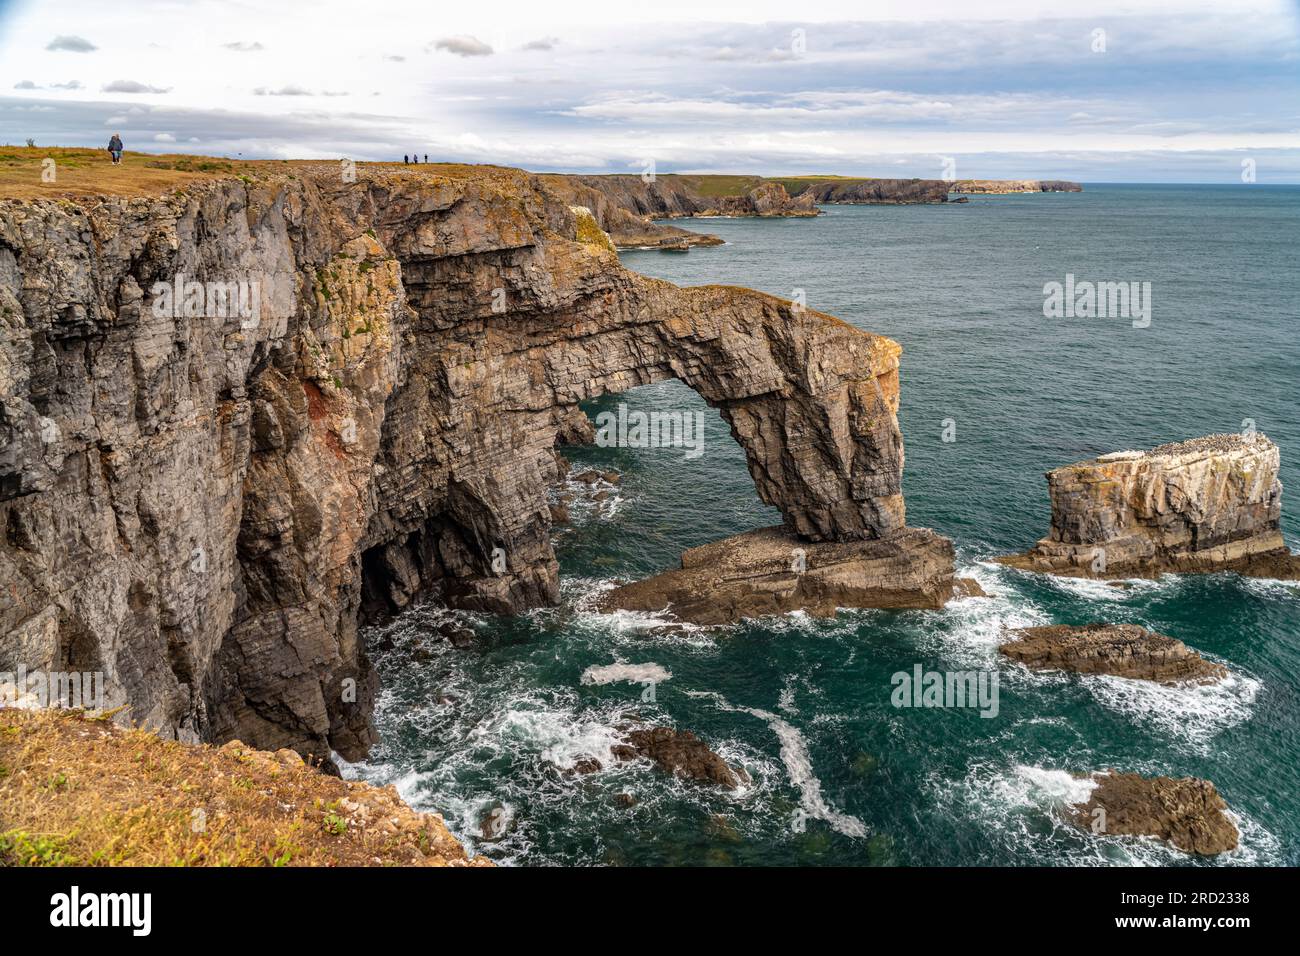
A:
x: 115, y: 149
x: 406, y: 160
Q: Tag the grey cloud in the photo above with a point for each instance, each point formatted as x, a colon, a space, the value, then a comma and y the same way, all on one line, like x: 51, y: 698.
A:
x: 131, y: 86
x: 29, y: 85
x: 395, y: 59
x: 242, y: 46
x: 283, y: 91
x: 463, y: 46
x: 545, y: 43
x: 71, y: 44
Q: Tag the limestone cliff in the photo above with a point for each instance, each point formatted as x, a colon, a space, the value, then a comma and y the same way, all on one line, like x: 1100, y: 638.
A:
x: 1006, y: 186
x: 625, y: 205
x: 205, y: 503
x: 1209, y: 504
x: 879, y: 191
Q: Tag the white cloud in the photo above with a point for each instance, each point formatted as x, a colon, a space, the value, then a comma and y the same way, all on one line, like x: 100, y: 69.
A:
x: 132, y: 86
x: 463, y: 45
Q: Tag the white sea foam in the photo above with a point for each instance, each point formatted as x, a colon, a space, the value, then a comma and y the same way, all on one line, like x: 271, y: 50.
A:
x: 1092, y: 589
x: 1041, y: 785
x: 1193, y: 713
x: 798, y: 766
x: 649, y: 673
x: 1271, y: 588
x: 584, y: 594
x: 556, y: 734
x: 968, y: 632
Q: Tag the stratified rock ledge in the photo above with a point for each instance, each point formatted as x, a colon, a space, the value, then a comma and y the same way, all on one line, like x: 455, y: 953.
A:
x: 1204, y: 505
x: 1122, y: 650
x: 1188, y: 813
x: 755, y: 573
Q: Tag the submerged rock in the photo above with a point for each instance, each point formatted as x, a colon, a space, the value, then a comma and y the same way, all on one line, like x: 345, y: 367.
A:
x: 1208, y: 504
x: 680, y: 753
x: 770, y: 571
x: 1123, y: 650
x: 1186, y: 813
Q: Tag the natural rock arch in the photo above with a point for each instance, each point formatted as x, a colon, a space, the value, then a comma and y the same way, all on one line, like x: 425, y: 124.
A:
x: 810, y: 400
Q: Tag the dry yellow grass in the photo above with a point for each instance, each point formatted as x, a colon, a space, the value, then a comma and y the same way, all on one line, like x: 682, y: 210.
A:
x: 80, y: 173
x: 79, y: 791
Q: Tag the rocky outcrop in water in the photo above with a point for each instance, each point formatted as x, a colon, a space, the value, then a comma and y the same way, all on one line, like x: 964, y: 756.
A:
x: 204, y: 505
x: 1122, y: 650
x: 681, y: 753
x: 1186, y: 813
x: 1209, y: 504
x: 771, y: 571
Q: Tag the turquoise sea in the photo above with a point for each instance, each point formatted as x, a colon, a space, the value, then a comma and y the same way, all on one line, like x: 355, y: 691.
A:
x: 840, y: 776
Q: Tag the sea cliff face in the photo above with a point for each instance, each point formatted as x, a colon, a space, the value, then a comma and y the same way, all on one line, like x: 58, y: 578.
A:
x: 204, y: 504
x: 886, y: 191
x: 625, y: 205
x: 1006, y: 186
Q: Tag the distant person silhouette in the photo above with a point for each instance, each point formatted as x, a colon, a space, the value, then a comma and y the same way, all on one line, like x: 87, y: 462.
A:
x: 115, y: 149
x: 426, y: 157
x: 406, y: 160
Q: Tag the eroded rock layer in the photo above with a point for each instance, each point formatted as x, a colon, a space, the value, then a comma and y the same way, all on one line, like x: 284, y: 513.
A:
x: 770, y: 571
x: 204, y: 504
x: 1122, y: 650
x: 1003, y: 186
x: 1209, y: 504
x: 1187, y: 813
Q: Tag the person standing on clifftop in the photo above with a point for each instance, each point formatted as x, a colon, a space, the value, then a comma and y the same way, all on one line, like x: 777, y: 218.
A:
x: 115, y: 149
x: 406, y: 160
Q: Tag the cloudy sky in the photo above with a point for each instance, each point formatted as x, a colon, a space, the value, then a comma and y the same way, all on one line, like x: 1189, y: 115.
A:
x: 1141, y: 90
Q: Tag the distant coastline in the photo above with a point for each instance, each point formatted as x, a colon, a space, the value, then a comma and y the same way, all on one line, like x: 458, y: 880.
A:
x: 624, y: 205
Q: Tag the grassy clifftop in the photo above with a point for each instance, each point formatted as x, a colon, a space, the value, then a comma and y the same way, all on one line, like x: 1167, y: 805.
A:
x: 88, y: 172
x: 76, y: 791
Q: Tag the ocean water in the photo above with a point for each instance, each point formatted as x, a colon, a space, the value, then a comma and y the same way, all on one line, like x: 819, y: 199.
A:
x: 839, y: 775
